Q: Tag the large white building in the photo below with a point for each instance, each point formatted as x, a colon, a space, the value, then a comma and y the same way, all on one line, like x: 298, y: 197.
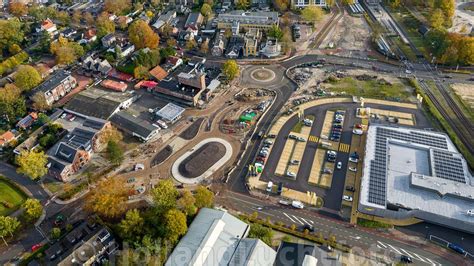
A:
x: 416, y: 173
x: 305, y: 3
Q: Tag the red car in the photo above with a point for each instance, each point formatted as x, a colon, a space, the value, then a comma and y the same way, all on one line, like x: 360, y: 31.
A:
x: 358, y: 126
x: 35, y: 247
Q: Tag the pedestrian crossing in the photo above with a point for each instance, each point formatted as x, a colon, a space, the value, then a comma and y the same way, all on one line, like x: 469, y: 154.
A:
x: 298, y: 220
x: 343, y: 147
x: 313, y: 138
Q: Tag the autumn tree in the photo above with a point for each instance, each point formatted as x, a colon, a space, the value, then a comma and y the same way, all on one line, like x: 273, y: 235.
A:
x: 110, y: 134
x: 141, y: 72
x: 40, y: 103
x: 17, y: 8
x: 32, y: 164
x: 11, y: 33
x: 8, y: 226
x: 76, y: 17
x: 89, y: 19
x: 131, y: 227
x: 312, y: 13
x: 164, y: 195
x: 104, y: 25
x: 64, y: 18
x: 190, y: 44
x: 206, y: 10
x: 437, y: 19
x: 243, y: 4
x: 281, y: 5
x: 330, y: 3
x: 448, y: 7
x: 142, y: 35
x: 114, y: 152
x: 12, y: 104
x: 175, y: 224
x: 395, y: 4
x: 203, y: 197
x: 32, y: 209
x: 117, y: 7
x: 186, y: 203
x: 230, y: 69
x: 108, y: 199
x: 66, y: 52
x: 204, y: 48
x: 27, y: 77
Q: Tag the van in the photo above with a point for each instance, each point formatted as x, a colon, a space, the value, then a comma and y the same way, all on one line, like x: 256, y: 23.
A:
x: 297, y: 204
x: 270, y: 186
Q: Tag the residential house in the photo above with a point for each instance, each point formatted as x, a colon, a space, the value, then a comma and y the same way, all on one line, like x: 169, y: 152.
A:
x: 124, y: 20
x: 247, y: 20
x: 69, y: 33
x: 235, y: 47
x: 27, y: 121
x: 194, y: 19
x: 172, y: 63
x: 252, y: 38
x: 134, y: 126
x: 186, y: 87
x: 90, y: 35
x: 114, y: 85
x: 75, y: 149
x: 306, y: 3
x: 108, y: 40
x: 57, y: 86
x: 8, y: 137
x: 271, y: 48
x: 48, y: 26
x: 124, y: 49
x: 96, y: 67
x: 158, y: 73
x: 164, y: 19
x: 219, y: 45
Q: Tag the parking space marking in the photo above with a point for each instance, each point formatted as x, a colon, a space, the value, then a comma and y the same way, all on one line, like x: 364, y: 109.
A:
x: 343, y: 147
x: 289, y: 217
x: 395, y: 249
x: 382, y: 244
x: 307, y: 222
x: 298, y: 220
x: 418, y: 256
x: 313, y: 138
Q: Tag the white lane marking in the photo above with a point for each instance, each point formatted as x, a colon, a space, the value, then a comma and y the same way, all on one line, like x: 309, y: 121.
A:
x: 382, y: 244
x: 379, y: 246
x: 251, y: 203
x: 406, y: 252
x: 395, y: 249
x: 299, y: 221
x: 432, y: 263
x: 310, y: 222
x: 289, y: 217
x: 418, y: 256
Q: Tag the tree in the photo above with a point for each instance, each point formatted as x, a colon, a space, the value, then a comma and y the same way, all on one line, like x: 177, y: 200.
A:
x: 32, y: 209
x: 66, y: 52
x: 32, y: 164
x: 12, y: 104
x: 131, y: 227
x: 204, y: 197
x: 437, y: 19
x: 175, y: 224
x: 64, y: 18
x: 117, y: 7
x: 14, y: 49
x: 17, y: 8
x: 147, y: 58
x: 281, y: 5
x: 164, y: 195
x: 114, y: 152
x: 27, y: 77
x: 104, y: 25
x: 39, y: 102
x: 11, y: 33
x: 448, y: 7
x: 190, y: 44
x: 330, y: 3
x: 186, y: 203
x: 8, y: 226
x: 168, y: 51
x: 142, y: 35
x: 243, y: 4
x: 230, y: 69
x: 275, y: 32
x: 89, y: 19
x: 108, y: 199
x: 141, y: 72
x: 206, y: 10
x: 55, y: 233
x: 110, y: 134
x: 204, y: 46
x: 395, y: 4
x: 261, y: 232
x: 312, y: 13
x: 76, y: 17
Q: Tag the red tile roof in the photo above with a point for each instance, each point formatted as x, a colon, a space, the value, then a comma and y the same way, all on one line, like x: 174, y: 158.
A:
x: 159, y: 73
x: 6, y: 137
x: 114, y: 85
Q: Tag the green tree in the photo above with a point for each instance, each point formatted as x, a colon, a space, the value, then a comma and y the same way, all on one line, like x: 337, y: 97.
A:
x: 395, y: 4
x: 167, y: 51
x: 32, y: 164
x: 230, y: 69
x: 164, y: 195
x: 142, y: 35
x: 32, y: 209
x: 55, y: 233
x: 64, y: 18
x: 175, y: 224
x: 131, y: 227
x: 114, y: 152
x: 27, y: 77
x: 12, y: 104
x: 275, y: 32
x: 437, y: 19
x: 206, y: 10
x: 8, y: 226
x: 11, y: 32
x: 312, y: 13
x: 186, y: 203
x: 261, y: 232
x: 243, y: 4
x: 448, y: 7
x: 104, y: 25
x: 204, y: 197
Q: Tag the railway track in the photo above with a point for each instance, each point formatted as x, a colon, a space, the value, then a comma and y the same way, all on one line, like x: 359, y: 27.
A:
x: 462, y: 129
x: 328, y: 26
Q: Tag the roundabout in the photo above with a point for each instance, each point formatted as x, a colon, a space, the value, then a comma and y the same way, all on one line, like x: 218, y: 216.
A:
x: 262, y: 74
x: 201, y: 161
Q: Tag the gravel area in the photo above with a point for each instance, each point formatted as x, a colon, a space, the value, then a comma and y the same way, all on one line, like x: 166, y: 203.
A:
x: 201, y: 159
x: 162, y: 156
x: 192, y: 130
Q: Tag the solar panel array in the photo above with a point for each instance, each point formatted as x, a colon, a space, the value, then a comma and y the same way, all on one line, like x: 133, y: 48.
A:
x: 378, y: 166
x: 448, y: 166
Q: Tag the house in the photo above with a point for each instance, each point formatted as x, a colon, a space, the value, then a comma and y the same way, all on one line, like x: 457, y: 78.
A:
x: 247, y: 20
x: 145, y: 84
x: 235, y: 47
x: 108, y: 40
x: 124, y: 20
x: 134, y: 126
x: 74, y: 150
x: 172, y: 63
x: 164, y: 19
x: 305, y: 3
x: 219, y: 45
x: 423, y: 30
x: 96, y: 67
x: 57, y: 86
x: 252, y: 38
x: 158, y: 73
x: 296, y: 254
x: 271, y: 48
x: 114, y: 85
x: 90, y: 35
x: 8, y: 137
x: 69, y: 33
x: 217, y: 238
x: 194, y: 19
x: 48, y: 26
x: 125, y: 49
x: 27, y: 121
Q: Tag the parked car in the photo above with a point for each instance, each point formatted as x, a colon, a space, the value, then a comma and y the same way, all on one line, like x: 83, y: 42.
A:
x: 280, y: 188
x: 269, y: 186
x: 294, y: 162
x: 269, y: 142
x: 327, y: 171
x: 291, y: 136
x: 352, y: 169
x: 308, y: 227
x: 339, y: 165
x: 35, y: 247
x: 290, y: 174
x: 347, y: 198
x: 358, y: 132
x: 308, y: 122
x: 350, y: 188
x: 284, y: 202
x: 301, y: 139
x: 297, y: 204
x: 131, y: 180
x: 406, y: 259
x: 162, y: 124
x: 138, y: 166
x: 354, y: 160
x: 358, y: 126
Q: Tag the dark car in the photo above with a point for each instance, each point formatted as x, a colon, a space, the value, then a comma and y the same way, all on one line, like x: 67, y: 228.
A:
x: 280, y: 188
x: 456, y: 248
x: 405, y: 259
x: 337, y: 126
x: 350, y: 188
x: 308, y: 227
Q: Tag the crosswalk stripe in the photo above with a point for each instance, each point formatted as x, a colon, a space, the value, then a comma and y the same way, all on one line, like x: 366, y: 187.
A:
x: 313, y: 138
x: 343, y: 147
x: 298, y: 220
x: 382, y: 244
x: 289, y: 217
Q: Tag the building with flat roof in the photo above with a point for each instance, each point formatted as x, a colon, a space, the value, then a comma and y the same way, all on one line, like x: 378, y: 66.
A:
x: 134, y: 126
x: 305, y: 3
x: 290, y: 253
x: 218, y: 238
x: 170, y: 112
x: 415, y: 173
x: 247, y: 20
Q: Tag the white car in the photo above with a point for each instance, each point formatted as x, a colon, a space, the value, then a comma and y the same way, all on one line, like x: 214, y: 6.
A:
x: 358, y: 132
x: 308, y: 122
x: 339, y: 165
x: 332, y: 152
x: 470, y: 212
x: 284, y: 202
x: 352, y: 169
x: 290, y: 174
x: 301, y: 139
x: 294, y: 162
x: 162, y: 124
x: 347, y: 198
x: 354, y: 160
x: 269, y: 142
x: 297, y: 204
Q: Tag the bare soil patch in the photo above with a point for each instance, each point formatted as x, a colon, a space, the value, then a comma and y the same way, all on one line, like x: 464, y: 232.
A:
x: 201, y: 159
x: 192, y: 130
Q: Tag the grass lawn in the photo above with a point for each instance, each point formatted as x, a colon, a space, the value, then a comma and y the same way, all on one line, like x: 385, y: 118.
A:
x: 11, y: 198
x: 370, y: 89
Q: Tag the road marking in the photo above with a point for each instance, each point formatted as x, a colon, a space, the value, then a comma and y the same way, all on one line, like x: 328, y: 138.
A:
x: 406, y: 252
x: 251, y: 203
x: 382, y: 244
x: 432, y: 263
x: 313, y: 138
x: 298, y: 220
x: 343, y: 147
x: 419, y: 257
x: 310, y: 222
x: 395, y: 249
x: 289, y: 217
